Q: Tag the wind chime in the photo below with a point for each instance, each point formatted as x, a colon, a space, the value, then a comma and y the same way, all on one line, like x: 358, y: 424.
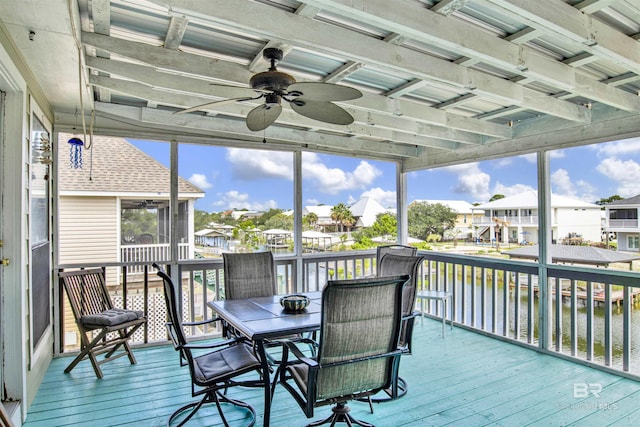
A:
x: 75, y: 152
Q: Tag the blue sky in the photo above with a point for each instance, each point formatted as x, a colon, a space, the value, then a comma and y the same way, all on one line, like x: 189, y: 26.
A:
x: 260, y: 180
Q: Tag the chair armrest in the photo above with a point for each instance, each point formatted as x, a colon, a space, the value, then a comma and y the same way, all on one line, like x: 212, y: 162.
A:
x: 202, y: 322
x: 393, y: 353
x: 224, y: 343
x: 413, y: 315
x: 291, y: 346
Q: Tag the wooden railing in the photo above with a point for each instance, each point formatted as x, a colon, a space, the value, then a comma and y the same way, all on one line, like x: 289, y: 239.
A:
x: 590, y: 323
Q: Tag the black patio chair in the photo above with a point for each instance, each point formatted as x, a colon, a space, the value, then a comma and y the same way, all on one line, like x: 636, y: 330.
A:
x: 212, y: 372
x: 393, y: 265
x: 252, y: 275
x: 352, y: 362
x: 395, y: 249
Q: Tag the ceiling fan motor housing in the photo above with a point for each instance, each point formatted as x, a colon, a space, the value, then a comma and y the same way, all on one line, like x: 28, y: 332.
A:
x: 275, y: 81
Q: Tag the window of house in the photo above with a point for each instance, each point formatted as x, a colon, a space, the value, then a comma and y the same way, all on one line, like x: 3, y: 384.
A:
x: 634, y: 242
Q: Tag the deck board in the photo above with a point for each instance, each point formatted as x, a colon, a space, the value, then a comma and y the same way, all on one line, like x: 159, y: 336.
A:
x: 465, y: 379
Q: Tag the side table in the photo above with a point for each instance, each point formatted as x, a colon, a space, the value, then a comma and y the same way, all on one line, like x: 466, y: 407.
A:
x: 443, y: 297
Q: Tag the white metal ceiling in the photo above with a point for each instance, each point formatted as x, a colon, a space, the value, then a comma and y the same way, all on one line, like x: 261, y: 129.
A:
x: 445, y: 81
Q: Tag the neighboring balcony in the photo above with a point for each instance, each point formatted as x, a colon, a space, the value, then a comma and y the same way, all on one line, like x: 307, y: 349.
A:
x: 512, y: 220
x: 622, y: 224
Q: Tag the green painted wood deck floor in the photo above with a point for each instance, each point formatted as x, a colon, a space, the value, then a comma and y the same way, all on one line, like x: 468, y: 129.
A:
x: 465, y: 379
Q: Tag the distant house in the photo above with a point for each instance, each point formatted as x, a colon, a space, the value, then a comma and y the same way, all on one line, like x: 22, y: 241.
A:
x: 323, y: 213
x: 621, y: 217
x: 117, y: 176
x: 365, y: 211
x: 246, y: 215
x: 515, y: 219
x: 463, y: 227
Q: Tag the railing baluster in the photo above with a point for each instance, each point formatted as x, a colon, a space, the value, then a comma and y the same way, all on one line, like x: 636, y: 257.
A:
x: 558, y: 323
x: 574, y: 317
x: 608, y: 355
x: 589, y: 309
x: 626, y: 329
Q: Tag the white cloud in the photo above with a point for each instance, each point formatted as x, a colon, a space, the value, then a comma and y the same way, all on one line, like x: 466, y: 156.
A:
x: 250, y: 165
x: 562, y: 184
x: 511, y: 190
x: 334, y: 180
x: 471, y: 180
x: 235, y: 200
x: 617, y: 148
x: 200, y: 181
x: 386, y: 198
x: 625, y: 172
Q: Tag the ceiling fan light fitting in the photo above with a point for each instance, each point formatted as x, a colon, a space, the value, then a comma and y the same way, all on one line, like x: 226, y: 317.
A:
x: 272, y: 99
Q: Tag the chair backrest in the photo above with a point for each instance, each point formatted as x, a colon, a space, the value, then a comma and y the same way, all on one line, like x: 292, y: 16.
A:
x: 249, y: 275
x: 394, y: 265
x: 87, y: 291
x: 351, y: 310
x: 174, y: 324
x: 396, y: 250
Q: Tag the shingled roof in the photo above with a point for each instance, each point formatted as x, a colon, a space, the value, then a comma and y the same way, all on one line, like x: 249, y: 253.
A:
x: 116, y: 166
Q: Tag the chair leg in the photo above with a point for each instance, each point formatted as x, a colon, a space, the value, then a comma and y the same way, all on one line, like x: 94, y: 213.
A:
x: 212, y: 397
x: 396, y: 391
x: 340, y: 415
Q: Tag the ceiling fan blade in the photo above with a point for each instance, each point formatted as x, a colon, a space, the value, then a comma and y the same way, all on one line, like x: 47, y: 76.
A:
x: 216, y: 103
x: 262, y: 116
x: 323, y: 111
x: 317, y: 91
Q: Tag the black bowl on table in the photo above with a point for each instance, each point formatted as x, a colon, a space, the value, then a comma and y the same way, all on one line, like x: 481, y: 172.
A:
x: 294, y: 303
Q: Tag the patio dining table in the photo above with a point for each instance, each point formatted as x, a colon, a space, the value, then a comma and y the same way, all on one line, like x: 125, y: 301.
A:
x: 262, y: 319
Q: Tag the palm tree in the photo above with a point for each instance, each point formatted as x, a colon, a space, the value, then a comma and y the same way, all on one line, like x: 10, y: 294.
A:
x: 341, y: 214
x: 500, y: 225
x: 311, y: 219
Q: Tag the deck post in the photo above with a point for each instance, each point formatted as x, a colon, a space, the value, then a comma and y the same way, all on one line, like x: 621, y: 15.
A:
x: 544, y: 245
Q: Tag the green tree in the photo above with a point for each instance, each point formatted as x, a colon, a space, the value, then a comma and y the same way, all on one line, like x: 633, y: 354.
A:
x: 201, y: 219
x: 604, y: 201
x: 262, y: 219
x: 310, y: 220
x: 281, y: 221
x: 426, y: 219
x: 135, y: 222
x: 386, y: 225
x: 496, y: 197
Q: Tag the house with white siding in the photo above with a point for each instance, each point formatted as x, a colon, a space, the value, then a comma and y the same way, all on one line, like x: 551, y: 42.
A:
x: 515, y: 219
x: 621, y: 218
x: 116, y: 176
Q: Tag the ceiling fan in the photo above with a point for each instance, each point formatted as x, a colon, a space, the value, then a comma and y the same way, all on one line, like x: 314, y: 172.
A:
x: 311, y: 99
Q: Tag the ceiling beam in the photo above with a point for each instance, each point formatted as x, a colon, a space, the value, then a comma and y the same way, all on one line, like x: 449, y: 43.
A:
x: 175, y: 32
x: 416, y: 22
x: 338, y: 41
x: 147, y: 117
x: 611, y: 126
x: 367, y: 125
x: 374, y: 105
x: 568, y: 22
